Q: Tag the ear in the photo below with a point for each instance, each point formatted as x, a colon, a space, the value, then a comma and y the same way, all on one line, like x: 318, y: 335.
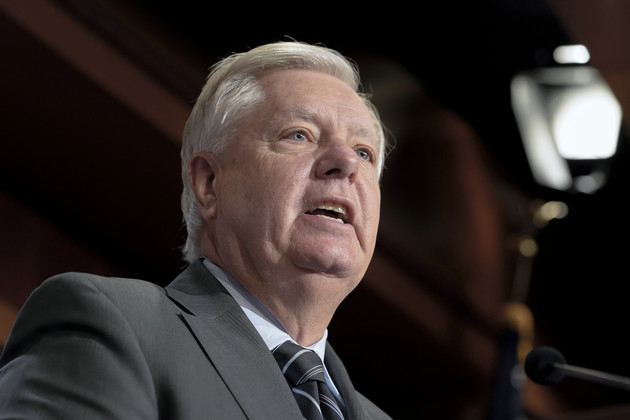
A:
x: 201, y: 174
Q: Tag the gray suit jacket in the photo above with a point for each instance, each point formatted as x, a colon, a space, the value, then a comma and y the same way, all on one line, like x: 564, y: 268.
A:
x: 88, y: 347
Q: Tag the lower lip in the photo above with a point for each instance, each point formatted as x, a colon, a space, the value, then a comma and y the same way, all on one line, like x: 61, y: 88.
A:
x: 326, y: 219
x: 332, y: 219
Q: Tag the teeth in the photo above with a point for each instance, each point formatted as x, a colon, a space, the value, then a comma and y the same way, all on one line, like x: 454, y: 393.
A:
x: 337, y: 208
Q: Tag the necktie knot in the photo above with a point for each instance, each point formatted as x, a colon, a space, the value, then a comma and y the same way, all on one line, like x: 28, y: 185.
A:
x: 304, y: 371
x: 298, y: 364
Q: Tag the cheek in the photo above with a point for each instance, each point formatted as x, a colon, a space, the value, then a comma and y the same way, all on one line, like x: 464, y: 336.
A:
x: 236, y: 196
x: 286, y: 178
x: 372, y: 207
x: 269, y: 194
x: 371, y: 194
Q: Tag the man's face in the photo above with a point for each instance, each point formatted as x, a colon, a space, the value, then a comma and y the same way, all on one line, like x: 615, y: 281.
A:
x: 297, y: 191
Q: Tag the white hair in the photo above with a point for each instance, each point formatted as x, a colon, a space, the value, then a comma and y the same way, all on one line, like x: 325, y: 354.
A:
x: 231, y: 91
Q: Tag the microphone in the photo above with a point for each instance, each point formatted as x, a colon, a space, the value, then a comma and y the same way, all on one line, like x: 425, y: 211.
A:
x: 546, y: 366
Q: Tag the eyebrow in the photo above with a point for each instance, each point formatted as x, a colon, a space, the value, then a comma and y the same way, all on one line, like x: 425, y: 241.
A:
x: 309, y: 115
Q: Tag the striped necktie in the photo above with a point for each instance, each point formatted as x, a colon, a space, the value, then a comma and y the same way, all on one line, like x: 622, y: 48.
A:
x: 305, y: 374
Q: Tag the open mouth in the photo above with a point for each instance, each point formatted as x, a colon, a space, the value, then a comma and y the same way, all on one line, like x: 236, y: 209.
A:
x: 332, y: 211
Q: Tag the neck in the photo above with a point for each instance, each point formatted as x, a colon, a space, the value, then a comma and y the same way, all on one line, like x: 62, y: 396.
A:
x: 302, y: 302
x: 304, y: 313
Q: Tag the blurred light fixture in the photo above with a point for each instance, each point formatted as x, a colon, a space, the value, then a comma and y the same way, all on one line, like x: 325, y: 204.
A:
x: 569, y: 121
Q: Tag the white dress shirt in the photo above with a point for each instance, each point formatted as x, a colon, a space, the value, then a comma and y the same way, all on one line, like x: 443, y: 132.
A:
x: 263, y: 320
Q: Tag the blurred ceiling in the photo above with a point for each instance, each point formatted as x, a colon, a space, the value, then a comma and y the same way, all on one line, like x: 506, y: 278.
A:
x: 94, y: 96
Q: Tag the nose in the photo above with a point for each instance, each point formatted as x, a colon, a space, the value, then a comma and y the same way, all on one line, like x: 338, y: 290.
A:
x: 337, y: 161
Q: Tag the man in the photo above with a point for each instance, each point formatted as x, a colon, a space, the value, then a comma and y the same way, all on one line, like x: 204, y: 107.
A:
x: 281, y: 163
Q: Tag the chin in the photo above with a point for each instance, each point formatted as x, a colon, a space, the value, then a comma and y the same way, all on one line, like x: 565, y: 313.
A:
x: 329, y: 258
x: 337, y: 268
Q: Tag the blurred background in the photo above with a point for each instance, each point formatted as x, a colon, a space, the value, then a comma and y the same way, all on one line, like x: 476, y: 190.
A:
x: 494, y: 237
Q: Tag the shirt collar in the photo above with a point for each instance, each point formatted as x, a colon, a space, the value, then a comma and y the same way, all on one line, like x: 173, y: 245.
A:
x: 263, y: 320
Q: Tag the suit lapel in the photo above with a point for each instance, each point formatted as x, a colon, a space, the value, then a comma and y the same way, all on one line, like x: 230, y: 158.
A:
x: 232, y: 345
x: 340, y: 377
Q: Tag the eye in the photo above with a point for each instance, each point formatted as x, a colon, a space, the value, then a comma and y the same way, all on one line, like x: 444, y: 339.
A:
x: 364, y: 154
x: 298, y: 136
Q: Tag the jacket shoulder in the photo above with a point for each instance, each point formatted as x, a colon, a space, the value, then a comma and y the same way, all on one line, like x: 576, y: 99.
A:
x: 87, y: 300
